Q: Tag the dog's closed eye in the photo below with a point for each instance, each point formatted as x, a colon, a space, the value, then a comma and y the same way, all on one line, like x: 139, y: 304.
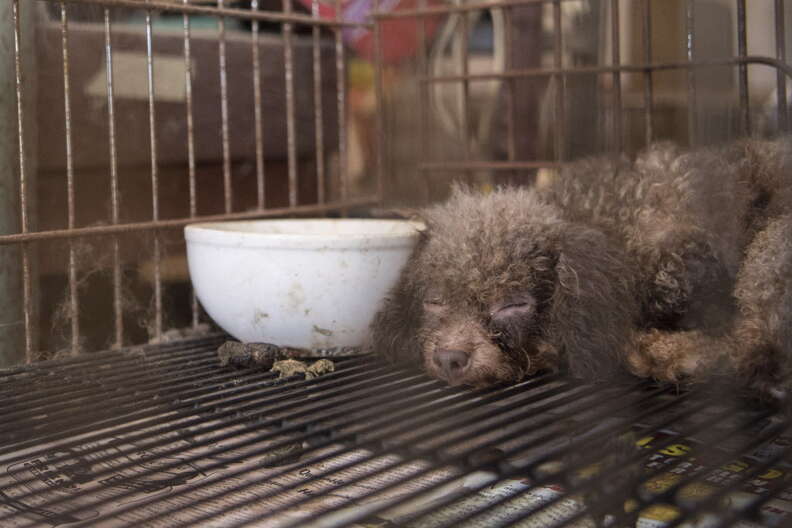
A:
x: 434, y: 305
x: 521, y: 307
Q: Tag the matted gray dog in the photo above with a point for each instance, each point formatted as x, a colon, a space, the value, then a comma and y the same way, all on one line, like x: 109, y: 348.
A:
x: 676, y: 265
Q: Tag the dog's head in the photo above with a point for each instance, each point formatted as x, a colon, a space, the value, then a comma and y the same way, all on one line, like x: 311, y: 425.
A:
x: 501, y: 286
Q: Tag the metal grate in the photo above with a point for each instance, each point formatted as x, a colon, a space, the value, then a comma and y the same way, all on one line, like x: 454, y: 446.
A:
x: 164, y: 436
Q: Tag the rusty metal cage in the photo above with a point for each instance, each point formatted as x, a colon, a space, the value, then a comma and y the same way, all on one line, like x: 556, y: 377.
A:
x: 121, y: 121
x: 77, y: 160
x: 67, y: 144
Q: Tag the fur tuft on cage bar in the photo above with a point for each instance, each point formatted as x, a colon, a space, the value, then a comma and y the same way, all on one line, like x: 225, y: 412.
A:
x: 122, y: 121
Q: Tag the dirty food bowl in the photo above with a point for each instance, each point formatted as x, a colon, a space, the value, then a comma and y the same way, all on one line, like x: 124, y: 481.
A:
x: 301, y: 283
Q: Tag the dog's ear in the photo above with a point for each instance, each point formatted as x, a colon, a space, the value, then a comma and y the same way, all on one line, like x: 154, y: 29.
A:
x: 593, y: 308
x: 395, y: 328
x: 394, y: 331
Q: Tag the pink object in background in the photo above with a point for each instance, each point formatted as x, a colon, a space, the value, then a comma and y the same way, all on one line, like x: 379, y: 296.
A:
x: 400, y: 36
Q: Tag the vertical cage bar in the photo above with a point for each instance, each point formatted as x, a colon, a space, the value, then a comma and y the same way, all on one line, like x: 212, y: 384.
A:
x: 188, y: 96
x: 291, y: 133
x: 742, y: 52
x: 154, y: 177
x: 12, y: 306
x: 617, y: 91
x: 27, y: 293
x: 690, y: 46
x: 380, y: 101
x: 259, y: 134
x: 780, y: 41
x: 73, y: 295
x: 318, y: 106
x: 423, y: 101
x: 464, y: 39
x: 224, y: 132
x: 341, y: 96
x: 117, y: 307
x: 558, y: 81
x: 508, y: 47
x: 648, y: 88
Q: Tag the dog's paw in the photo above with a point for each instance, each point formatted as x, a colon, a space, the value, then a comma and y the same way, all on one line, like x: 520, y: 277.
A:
x: 669, y: 356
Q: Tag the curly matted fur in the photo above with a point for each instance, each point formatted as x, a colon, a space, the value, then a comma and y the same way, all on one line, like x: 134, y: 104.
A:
x: 670, y: 266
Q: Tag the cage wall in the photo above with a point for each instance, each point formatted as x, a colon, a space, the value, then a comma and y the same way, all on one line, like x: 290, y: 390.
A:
x: 504, y: 92
x: 121, y: 121
x: 125, y: 121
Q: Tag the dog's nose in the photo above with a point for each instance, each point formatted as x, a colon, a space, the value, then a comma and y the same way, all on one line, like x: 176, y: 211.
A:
x: 451, y: 362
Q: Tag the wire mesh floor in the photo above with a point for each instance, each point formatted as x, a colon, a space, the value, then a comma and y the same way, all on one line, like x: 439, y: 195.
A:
x: 165, y: 436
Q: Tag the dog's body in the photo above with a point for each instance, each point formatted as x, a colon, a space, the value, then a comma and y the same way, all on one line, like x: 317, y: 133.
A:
x: 674, y: 266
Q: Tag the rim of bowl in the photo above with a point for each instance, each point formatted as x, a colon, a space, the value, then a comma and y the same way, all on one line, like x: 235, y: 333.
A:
x: 224, y: 234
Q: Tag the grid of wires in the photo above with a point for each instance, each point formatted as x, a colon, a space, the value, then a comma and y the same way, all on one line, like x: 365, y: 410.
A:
x: 611, y: 64
x: 163, y: 435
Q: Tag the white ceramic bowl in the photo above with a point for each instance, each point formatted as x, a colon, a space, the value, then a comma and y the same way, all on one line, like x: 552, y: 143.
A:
x: 300, y: 283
